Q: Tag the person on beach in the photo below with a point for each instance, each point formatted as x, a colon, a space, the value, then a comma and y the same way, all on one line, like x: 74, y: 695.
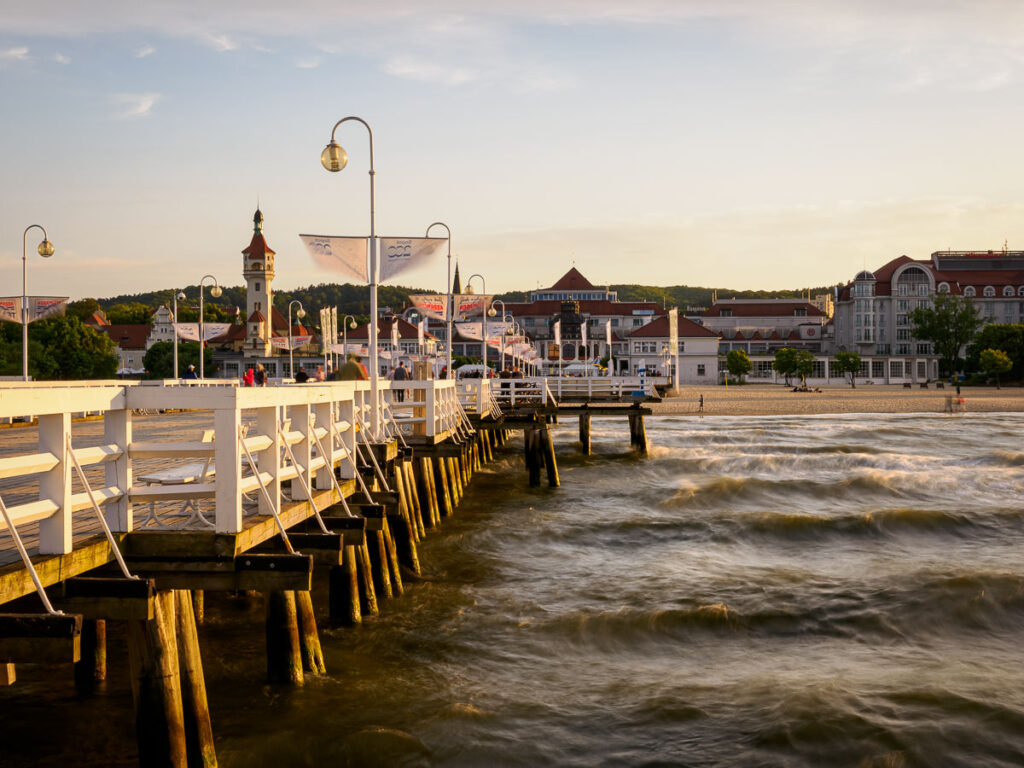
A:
x: 700, y: 403
x: 260, y: 377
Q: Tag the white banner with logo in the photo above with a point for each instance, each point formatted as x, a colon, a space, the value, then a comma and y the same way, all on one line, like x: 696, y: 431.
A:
x: 558, y: 336
x: 190, y: 331
x: 429, y: 305
x: 673, y: 331
x: 10, y: 309
x: 475, y: 330
x: 281, y: 342
x: 345, y: 255
x: 45, y: 306
x: 395, y: 334
x: 421, y: 331
x: 398, y: 254
x: 470, y: 305
x: 608, y: 334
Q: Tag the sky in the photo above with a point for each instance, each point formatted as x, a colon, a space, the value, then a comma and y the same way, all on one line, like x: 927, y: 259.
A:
x: 746, y: 144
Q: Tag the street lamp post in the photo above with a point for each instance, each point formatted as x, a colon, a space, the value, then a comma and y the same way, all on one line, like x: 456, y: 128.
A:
x: 487, y: 312
x: 449, y: 310
x: 347, y: 322
x: 334, y: 159
x: 215, y: 291
x: 176, y: 296
x: 45, y: 249
x: 301, y: 313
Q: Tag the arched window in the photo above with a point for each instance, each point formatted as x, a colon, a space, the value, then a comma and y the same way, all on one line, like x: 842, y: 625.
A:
x: 969, y: 292
x: 913, y: 281
x: 568, y: 351
x: 943, y: 287
x: 989, y: 291
x: 1008, y: 290
x: 1020, y: 291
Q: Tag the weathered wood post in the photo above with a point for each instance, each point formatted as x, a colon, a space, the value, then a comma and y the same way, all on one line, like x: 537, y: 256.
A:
x: 444, y: 494
x: 91, y: 668
x: 532, y: 453
x: 585, y: 433
x: 156, y: 686
x: 548, y: 448
x: 367, y: 591
x: 198, y: 730
x: 637, y: 434
x: 284, y: 657
x: 343, y: 593
x: 309, y: 638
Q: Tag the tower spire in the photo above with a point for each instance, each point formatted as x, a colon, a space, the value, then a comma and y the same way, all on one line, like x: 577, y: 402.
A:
x: 257, y: 221
x: 456, y: 282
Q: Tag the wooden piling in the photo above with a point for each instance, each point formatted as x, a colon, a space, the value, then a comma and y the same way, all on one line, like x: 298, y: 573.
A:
x: 548, y: 447
x: 309, y: 638
x: 199, y: 605
x: 430, y: 483
x: 378, y: 552
x: 367, y: 592
x: 8, y: 674
x: 412, y: 492
x: 585, y: 433
x: 454, y: 480
x: 532, y: 454
x: 391, y: 550
x: 444, y: 494
x: 637, y: 433
x: 284, y: 657
x: 343, y: 591
x: 91, y: 668
x: 156, y: 687
x: 198, y: 730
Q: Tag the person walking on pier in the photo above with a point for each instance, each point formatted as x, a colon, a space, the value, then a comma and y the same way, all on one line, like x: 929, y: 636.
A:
x: 190, y: 373
x: 352, y: 370
x: 700, y: 403
x: 260, y: 377
x: 401, y: 373
x: 301, y: 377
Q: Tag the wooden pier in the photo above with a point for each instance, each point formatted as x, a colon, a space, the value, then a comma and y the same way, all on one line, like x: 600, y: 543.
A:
x: 114, y: 516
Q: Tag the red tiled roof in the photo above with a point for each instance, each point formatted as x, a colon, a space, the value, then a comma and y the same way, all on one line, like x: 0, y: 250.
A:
x: 773, y: 308
x: 256, y: 317
x: 572, y: 280
x: 659, y: 328
x: 127, y: 336
x: 258, y: 248
x: 551, y: 307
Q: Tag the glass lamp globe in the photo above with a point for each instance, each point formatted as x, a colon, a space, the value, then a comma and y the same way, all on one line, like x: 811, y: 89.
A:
x: 491, y: 312
x: 352, y: 325
x: 45, y: 248
x: 333, y: 158
x: 216, y: 291
x: 300, y: 313
x: 181, y: 296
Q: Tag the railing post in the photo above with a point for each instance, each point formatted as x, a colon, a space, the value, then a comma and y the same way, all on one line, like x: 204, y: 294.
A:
x: 269, y: 459
x: 55, y: 485
x: 227, y: 423
x: 431, y: 411
x: 325, y: 418
x: 303, y: 452
x: 347, y: 413
x: 117, y: 429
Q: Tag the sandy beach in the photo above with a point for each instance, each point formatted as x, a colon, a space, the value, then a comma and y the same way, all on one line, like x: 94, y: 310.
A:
x: 774, y: 399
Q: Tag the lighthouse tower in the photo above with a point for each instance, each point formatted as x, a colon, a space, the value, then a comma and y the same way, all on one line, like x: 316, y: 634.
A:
x: 258, y: 271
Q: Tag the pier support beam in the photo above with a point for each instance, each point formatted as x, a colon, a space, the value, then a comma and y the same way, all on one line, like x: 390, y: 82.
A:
x: 548, y: 447
x: 585, y: 433
x: 198, y: 730
x: 532, y: 454
x: 637, y: 433
x: 309, y: 638
x: 91, y: 668
x: 343, y: 593
x: 284, y: 657
x: 156, y: 687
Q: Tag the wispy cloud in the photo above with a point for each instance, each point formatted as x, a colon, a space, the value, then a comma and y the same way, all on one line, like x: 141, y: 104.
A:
x: 309, y: 62
x: 222, y: 42
x: 14, y: 54
x: 144, y: 51
x: 60, y: 58
x: 132, y: 106
x: 413, y: 68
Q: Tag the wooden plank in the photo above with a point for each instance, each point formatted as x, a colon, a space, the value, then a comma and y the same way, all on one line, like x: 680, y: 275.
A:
x: 187, y: 449
x: 109, y: 598
x: 27, y: 464
x: 99, y: 454
x: 30, y: 512
x: 16, y: 582
x: 143, y: 493
x: 41, y: 638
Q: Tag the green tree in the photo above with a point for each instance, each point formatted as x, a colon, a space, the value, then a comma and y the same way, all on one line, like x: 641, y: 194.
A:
x: 83, y: 309
x: 804, y: 365
x: 64, y: 347
x: 159, y: 359
x: 995, y: 362
x: 738, y: 364
x: 132, y: 313
x: 785, y: 363
x: 949, y: 324
x: 847, y: 363
x: 1009, y: 337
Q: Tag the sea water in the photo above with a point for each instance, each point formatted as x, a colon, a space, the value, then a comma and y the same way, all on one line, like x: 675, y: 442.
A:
x: 783, y: 591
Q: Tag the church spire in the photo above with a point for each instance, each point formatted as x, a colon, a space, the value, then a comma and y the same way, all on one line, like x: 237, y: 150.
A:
x: 456, y: 283
x: 257, y: 222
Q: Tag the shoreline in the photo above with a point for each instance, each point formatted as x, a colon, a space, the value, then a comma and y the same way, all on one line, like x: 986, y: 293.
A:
x: 779, y: 400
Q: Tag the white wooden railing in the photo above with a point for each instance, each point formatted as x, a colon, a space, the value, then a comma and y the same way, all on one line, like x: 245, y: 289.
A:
x: 320, y: 423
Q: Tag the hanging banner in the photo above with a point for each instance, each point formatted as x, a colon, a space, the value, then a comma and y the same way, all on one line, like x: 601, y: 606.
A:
x: 558, y: 336
x: 395, y: 335
x: 10, y: 309
x: 421, y: 331
x: 673, y: 331
x: 429, y: 305
x: 190, y: 331
x: 398, y: 254
x: 334, y: 326
x: 583, y: 332
x: 608, y: 334
x: 470, y: 305
x: 45, y: 306
x: 281, y: 342
x: 345, y: 255
x: 472, y: 331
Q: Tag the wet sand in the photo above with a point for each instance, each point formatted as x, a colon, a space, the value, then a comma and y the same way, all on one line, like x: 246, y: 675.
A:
x: 771, y: 399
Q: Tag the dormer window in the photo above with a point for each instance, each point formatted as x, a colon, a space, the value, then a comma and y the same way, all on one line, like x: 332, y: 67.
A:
x: 989, y: 291
x: 1008, y: 290
x: 800, y: 312
x: 969, y: 292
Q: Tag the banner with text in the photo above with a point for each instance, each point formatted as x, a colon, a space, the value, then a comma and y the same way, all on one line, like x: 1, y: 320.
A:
x: 345, y: 255
x: 398, y: 254
x: 429, y: 305
x: 190, y: 331
x: 281, y: 342
x: 470, y: 305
